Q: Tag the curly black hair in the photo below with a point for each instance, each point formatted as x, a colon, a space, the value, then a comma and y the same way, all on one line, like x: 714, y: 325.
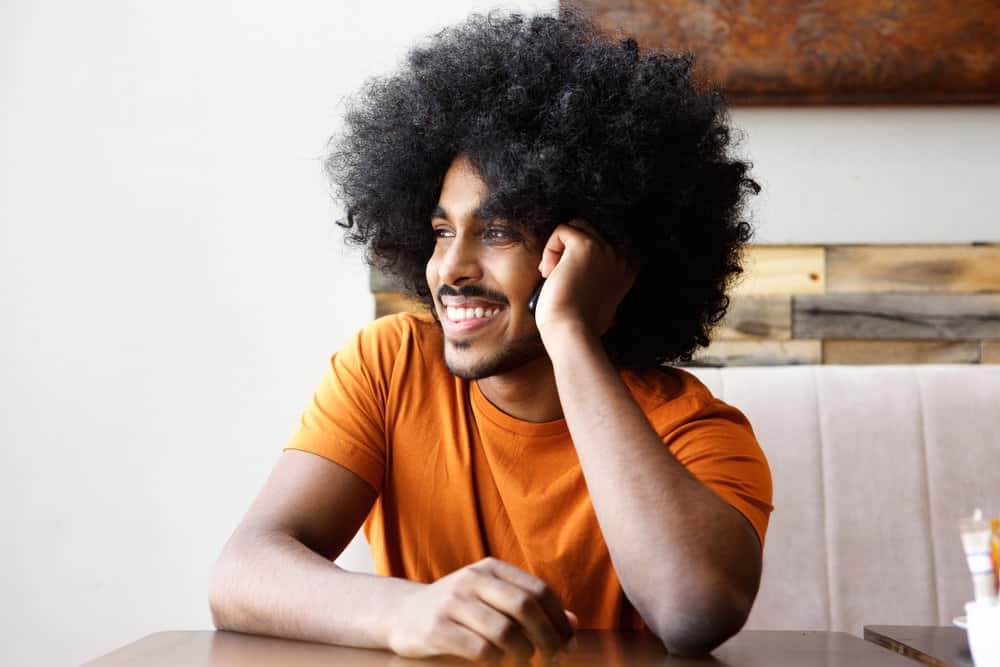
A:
x: 561, y: 122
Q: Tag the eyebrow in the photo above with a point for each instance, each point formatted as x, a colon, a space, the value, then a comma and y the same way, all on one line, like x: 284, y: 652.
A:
x: 439, y: 212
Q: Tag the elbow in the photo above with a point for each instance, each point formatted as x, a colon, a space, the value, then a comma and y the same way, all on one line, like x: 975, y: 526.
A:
x: 700, y: 624
x: 219, y: 596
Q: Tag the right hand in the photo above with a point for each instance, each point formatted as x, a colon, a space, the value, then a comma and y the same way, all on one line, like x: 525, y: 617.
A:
x: 486, y: 610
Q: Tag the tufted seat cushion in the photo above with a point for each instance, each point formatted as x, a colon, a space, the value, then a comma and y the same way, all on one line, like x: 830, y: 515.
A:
x: 873, y: 466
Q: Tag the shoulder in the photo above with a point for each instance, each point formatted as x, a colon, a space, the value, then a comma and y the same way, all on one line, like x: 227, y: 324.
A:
x: 671, y: 397
x: 392, y: 334
x: 392, y: 346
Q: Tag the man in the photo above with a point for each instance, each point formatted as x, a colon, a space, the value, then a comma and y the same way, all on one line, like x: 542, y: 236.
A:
x: 522, y: 473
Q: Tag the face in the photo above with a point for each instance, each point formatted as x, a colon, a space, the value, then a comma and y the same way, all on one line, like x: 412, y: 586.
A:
x: 481, y: 274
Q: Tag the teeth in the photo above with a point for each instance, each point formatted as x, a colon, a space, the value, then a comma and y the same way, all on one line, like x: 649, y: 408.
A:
x: 457, y: 314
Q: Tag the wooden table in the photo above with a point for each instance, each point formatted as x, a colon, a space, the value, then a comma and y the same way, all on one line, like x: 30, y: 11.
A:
x: 612, y: 649
x: 938, y: 646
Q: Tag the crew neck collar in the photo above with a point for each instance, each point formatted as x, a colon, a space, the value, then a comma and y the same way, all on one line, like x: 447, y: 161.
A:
x: 502, y: 420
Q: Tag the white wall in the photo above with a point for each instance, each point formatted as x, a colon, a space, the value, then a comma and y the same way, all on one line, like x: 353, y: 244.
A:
x: 171, y: 280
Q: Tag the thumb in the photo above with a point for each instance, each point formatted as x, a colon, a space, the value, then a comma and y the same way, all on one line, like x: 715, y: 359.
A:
x: 573, y: 620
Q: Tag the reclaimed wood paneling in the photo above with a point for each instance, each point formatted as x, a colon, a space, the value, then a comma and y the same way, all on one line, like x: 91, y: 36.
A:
x: 891, y: 316
x: 845, y: 305
x: 913, y: 268
x: 783, y: 270
x: 759, y: 353
x: 754, y: 316
x: 382, y: 282
x: 991, y: 352
x: 387, y: 303
x: 863, y: 352
x: 834, y: 51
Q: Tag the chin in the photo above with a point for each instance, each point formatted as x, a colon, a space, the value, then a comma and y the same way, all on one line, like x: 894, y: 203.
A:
x: 462, y: 360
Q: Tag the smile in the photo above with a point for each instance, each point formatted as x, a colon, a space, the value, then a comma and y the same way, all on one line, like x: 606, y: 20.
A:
x: 459, y: 314
x: 459, y: 320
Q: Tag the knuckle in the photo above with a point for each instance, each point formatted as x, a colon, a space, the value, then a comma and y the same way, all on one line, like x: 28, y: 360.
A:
x: 465, y: 582
x: 506, y: 630
x: 481, y: 649
x: 439, y: 621
x: 538, y: 588
x: 523, y: 603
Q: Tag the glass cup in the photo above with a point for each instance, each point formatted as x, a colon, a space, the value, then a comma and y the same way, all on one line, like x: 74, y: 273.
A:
x: 983, y: 627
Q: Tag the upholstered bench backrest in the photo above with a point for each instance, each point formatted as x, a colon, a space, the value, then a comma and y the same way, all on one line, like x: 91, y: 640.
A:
x: 873, y: 466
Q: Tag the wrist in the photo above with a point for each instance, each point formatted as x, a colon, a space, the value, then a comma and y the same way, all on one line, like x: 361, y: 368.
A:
x: 569, y: 339
x: 393, y: 614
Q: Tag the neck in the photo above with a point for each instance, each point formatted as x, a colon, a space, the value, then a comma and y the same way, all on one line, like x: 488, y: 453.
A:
x: 527, y: 393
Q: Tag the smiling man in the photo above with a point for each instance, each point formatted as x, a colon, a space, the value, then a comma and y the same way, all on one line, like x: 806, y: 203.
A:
x: 522, y: 472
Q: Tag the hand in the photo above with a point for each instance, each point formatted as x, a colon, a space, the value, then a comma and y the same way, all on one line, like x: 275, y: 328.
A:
x: 483, y: 611
x: 585, y: 281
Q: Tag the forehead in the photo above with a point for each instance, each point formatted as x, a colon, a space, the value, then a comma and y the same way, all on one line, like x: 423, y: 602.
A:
x: 463, y: 190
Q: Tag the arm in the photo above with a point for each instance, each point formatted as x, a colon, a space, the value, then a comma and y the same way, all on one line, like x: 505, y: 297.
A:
x: 276, y: 577
x: 688, y: 561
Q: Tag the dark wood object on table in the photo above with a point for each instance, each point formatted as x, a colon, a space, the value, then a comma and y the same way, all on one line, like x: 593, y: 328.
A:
x: 830, y: 52
x: 607, y: 649
x: 938, y: 646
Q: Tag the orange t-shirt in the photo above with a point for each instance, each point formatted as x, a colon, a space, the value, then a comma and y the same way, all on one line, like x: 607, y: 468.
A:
x: 459, y: 480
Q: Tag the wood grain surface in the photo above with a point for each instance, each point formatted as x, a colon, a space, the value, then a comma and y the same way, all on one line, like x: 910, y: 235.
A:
x: 846, y: 304
x: 759, y: 353
x: 927, y: 645
x: 825, y: 52
x: 897, y: 316
x: 755, y: 316
x: 783, y: 270
x: 913, y: 268
x: 869, y: 352
x: 596, y: 648
x: 991, y: 352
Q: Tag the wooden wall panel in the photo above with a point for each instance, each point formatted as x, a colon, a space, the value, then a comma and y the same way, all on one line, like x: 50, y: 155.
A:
x: 783, y: 270
x: 913, y: 268
x: 753, y: 316
x: 759, y: 353
x: 903, y: 316
x: 387, y: 303
x: 991, y: 352
x: 845, y: 305
x: 862, y: 352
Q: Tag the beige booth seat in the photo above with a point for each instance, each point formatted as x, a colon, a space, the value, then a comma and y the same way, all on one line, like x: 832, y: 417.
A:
x: 873, y: 466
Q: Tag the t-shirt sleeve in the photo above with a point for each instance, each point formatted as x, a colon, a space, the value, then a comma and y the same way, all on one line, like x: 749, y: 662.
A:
x: 345, y: 421
x: 717, y: 445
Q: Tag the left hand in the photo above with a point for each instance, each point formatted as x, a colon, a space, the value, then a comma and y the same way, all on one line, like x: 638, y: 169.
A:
x: 585, y: 281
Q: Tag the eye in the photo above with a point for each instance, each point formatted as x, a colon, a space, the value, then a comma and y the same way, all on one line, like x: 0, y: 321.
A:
x: 443, y: 233
x: 500, y: 234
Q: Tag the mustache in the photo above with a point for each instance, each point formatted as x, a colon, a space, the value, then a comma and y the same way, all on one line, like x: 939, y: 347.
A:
x: 471, y: 292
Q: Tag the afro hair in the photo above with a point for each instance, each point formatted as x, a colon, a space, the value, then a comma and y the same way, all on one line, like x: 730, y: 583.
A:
x: 562, y: 122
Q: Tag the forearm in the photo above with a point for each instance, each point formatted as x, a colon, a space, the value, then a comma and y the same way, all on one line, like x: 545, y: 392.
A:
x: 680, y: 552
x: 272, y: 584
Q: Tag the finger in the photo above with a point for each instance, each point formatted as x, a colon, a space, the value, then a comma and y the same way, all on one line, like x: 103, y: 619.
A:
x: 551, y: 254
x: 536, y: 587
x: 523, y: 608
x: 456, y: 639
x: 574, y: 620
x: 499, y: 629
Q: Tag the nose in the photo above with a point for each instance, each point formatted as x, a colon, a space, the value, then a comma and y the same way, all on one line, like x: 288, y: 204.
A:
x: 458, y: 262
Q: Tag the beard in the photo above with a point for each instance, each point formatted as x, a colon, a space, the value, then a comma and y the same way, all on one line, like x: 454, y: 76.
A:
x: 512, y: 355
